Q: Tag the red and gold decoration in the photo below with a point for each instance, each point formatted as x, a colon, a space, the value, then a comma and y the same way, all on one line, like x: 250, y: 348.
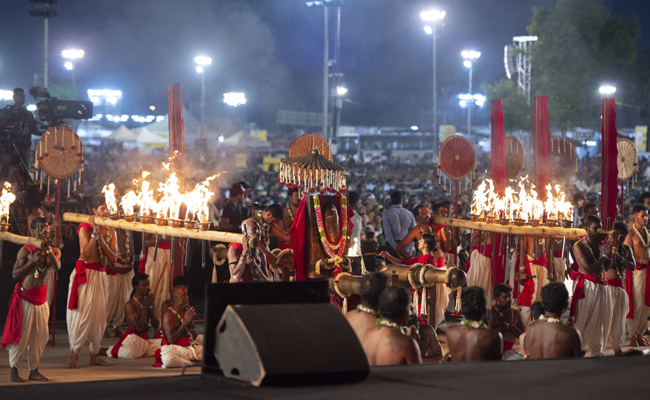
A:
x: 457, y: 160
x: 514, y: 157
x: 59, y: 156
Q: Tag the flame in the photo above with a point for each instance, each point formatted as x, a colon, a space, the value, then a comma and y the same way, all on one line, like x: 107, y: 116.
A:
x: 5, y: 201
x: 109, y: 193
x: 129, y: 201
x: 197, y: 200
x: 354, y: 250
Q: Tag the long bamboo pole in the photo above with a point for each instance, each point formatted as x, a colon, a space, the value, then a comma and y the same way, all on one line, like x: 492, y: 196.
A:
x: 216, y: 236
x: 24, y: 240
x: 541, y: 231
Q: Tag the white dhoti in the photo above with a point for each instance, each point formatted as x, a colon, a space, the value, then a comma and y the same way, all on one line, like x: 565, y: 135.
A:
x: 88, y: 320
x: 450, y: 260
x: 134, y: 346
x: 540, y: 280
x: 33, y: 336
x: 174, y: 356
x: 638, y: 325
x: 560, y: 269
x: 593, y: 317
x: 480, y: 273
x: 620, y: 305
x: 442, y: 300
x: 119, y: 289
x: 160, y: 275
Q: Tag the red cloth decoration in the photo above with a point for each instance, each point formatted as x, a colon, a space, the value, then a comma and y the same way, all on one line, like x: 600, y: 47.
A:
x: 131, y: 330
x: 184, y: 341
x: 610, y: 166
x: 508, y: 345
x: 14, y: 325
x: 526, y: 296
x: 541, y: 145
x: 298, y: 235
x: 498, y: 162
x: 143, y: 262
x: 487, y: 252
x: 579, y: 289
x: 422, y: 259
x: 629, y: 288
x: 79, y: 279
x: 237, y: 246
x: 31, y: 249
x: 615, y: 282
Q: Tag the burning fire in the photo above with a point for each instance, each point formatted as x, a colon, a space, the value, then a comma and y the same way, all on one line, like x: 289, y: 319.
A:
x: 5, y: 201
x: 354, y: 250
x: 109, y: 193
x: 523, y: 204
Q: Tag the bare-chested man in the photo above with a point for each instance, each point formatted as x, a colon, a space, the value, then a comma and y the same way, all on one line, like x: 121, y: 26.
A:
x: 365, y: 318
x: 422, y: 219
x: 290, y: 210
x: 504, y: 317
x: 247, y: 264
x: 637, y: 281
x: 533, y: 276
x: 473, y: 341
x: 87, y: 293
x: 622, y: 261
x: 550, y: 336
x: 590, y: 209
x: 268, y: 220
x: 26, y: 327
x: 141, y: 318
x: 181, y: 345
x: 590, y: 303
x: 430, y: 348
x: 387, y: 345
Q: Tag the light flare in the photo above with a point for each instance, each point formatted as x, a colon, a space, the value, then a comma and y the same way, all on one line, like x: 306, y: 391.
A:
x: 5, y: 201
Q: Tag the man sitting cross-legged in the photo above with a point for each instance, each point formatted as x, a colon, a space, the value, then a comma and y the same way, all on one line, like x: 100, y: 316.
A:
x: 141, y: 316
x: 180, y: 345
x: 550, y: 336
x: 505, y: 318
x: 536, y: 311
x: 473, y: 341
x: 387, y: 345
x: 366, y: 316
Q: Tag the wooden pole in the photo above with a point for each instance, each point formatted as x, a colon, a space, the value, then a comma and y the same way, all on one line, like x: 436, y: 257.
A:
x: 177, y: 150
x: 24, y: 240
x: 540, y: 231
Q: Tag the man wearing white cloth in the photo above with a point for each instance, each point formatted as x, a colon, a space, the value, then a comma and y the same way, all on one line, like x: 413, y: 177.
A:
x: 180, y: 345
x: 87, y: 294
x: 636, y: 281
x: 119, y: 277
x: 590, y: 304
x: 26, y: 327
x: 141, y: 319
x: 479, y: 266
x: 160, y: 271
x: 622, y: 261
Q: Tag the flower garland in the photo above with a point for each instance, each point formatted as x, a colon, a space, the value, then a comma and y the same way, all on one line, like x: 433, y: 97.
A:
x: 290, y: 212
x: 601, y: 272
x: 328, y: 244
x: 340, y: 293
x: 474, y: 324
x: 647, y: 235
x: 552, y: 320
x: 382, y: 322
x: 362, y: 308
x: 415, y: 286
x: 148, y: 325
x: 265, y: 228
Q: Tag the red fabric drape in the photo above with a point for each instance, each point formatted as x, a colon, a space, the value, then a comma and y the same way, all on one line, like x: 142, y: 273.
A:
x: 579, y: 289
x: 541, y: 145
x: 14, y: 323
x: 131, y: 330
x: 498, y: 161
x: 299, y: 240
x: 184, y: 342
x: 526, y: 296
x: 79, y: 279
x: 610, y: 168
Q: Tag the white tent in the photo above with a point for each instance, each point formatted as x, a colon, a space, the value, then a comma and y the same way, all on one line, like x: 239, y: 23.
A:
x: 123, y: 134
x: 147, y: 137
x: 244, y: 139
x: 190, y: 131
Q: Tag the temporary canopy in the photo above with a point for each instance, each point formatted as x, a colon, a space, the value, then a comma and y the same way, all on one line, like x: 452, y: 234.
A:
x: 123, y: 134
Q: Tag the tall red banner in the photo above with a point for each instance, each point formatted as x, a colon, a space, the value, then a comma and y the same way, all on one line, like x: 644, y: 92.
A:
x: 610, y: 169
x: 541, y: 145
x: 498, y: 161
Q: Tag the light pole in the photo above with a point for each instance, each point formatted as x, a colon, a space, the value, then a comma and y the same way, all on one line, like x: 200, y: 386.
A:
x: 202, y: 61
x: 433, y: 16
x: 470, y: 56
x: 326, y: 52
x: 72, y: 54
x: 46, y: 9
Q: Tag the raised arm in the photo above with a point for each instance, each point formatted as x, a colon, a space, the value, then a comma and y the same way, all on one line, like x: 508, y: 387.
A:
x: 586, y: 263
x: 401, y: 246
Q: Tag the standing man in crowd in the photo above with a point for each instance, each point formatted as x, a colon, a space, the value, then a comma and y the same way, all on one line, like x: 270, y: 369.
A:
x: 231, y: 216
x: 46, y: 210
x: 622, y: 261
x: 397, y: 223
x: 636, y: 282
x: 19, y: 125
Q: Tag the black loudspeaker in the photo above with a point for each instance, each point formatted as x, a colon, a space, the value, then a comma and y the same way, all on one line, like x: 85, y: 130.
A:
x: 289, y: 344
x: 218, y: 296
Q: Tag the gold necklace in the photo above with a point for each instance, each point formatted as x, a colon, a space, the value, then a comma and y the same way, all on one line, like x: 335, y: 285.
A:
x: 142, y: 308
x: 187, y: 330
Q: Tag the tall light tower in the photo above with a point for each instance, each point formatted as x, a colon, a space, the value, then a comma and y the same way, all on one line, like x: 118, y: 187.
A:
x: 326, y: 52
x: 523, y: 44
x: 72, y: 55
x: 433, y: 17
x: 202, y: 61
x: 470, y: 57
x: 46, y: 9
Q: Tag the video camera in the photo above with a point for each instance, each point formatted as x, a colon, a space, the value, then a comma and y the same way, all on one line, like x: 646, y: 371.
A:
x: 52, y: 110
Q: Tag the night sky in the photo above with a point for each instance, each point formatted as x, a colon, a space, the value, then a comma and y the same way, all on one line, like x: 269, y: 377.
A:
x: 272, y: 50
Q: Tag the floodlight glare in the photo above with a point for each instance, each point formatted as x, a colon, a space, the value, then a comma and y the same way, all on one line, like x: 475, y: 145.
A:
x: 428, y: 30
x: 607, y: 89
x: 73, y: 54
x: 234, y: 99
x: 467, y: 64
x: 203, y: 60
x: 432, y: 15
x: 470, y: 54
x: 68, y: 65
x: 341, y: 90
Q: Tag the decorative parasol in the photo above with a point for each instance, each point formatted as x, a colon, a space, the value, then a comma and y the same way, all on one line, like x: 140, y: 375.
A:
x: 456, y: 157
x: 308, y: 142
x: 563, y: 160
x: 514, y: 157
x: 311, y: 171
x: 59, y: 154
x: 627, y: 160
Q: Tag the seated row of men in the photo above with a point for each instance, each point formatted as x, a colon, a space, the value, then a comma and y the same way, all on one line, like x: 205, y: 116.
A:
x: 390, y: 334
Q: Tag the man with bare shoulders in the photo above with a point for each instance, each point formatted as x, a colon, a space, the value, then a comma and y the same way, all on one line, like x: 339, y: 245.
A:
x: 180, y: 345
x: 142, y: 320
x: 87, y: 293
x: 386, y: 344
x: 268, y: 220
x: 26, y: 327
x: 622, y: 261
x: 160, y: 270
x: 533, y: 276
x: 550, y: 336
x: 590, y: 303
x: 430, y: 348
x: 247, y: 264
x: 472, y: 340
x: 590, y: 209
x: 505, y: 318
x: 47, y: 210
x: 637, y: 281
x: 365, y: 318
x: 422, y: 220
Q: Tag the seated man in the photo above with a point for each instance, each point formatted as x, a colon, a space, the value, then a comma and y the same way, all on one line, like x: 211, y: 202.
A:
x: 180, y: 280
x: 180, y: 345
x: 247, y: 264
x: 473, y: 341
x: 387, y: 345
x: 505, y: 318
x: 536, y: 311
x: 550, y: 337
x: 366, y: 316
x: 430, y: 348
x: 141, y: 316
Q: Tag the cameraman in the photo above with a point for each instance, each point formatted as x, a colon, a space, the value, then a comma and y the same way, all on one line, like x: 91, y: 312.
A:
x: 17, y: 124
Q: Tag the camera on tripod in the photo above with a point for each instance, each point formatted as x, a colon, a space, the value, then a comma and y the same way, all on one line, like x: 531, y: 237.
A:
x: 52, y: 110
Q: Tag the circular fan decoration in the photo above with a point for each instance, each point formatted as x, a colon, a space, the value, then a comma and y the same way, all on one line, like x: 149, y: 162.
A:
x: 563, y: 159
x: 514, y: 157
x: 59, y: 152
x: 308, y: 142
x: 456, y: 157
x: 627, y: 160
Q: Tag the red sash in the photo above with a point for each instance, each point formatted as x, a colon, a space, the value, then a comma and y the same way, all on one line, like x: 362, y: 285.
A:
x: 615, y: 282
x: 508, y: 345
x: 79, y: 279
x: 424, y: 259
x: 487, y: 252
x: 143, y: 262
x: 629, y: 288
x: 237, y: 246
x: 526, y: 296
x: 184, y: 341
x: 31, y: 249
x: 579, y: 290
x: 130, y: 331
x: 14, y: 325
